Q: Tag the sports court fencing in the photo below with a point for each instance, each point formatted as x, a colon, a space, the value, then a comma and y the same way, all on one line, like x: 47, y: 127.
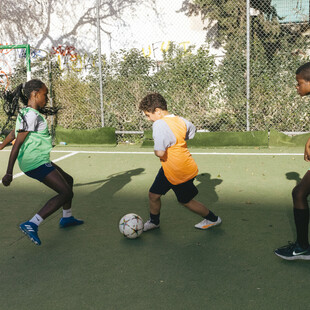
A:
x: 235, y: 73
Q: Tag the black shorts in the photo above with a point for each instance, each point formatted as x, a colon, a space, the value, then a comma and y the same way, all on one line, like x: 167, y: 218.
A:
x: 41, y: 172
x: 185, y: 192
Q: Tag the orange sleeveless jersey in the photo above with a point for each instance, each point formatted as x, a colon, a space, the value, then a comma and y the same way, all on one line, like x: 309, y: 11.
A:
x: 178, y: 163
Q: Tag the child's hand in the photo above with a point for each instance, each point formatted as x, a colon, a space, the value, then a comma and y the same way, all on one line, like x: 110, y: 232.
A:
x: 7, y: 179
x: 307, y: 151
x: 307, y: 157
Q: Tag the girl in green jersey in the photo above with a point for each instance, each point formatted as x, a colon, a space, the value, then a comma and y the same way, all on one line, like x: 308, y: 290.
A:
x: 32, y: 149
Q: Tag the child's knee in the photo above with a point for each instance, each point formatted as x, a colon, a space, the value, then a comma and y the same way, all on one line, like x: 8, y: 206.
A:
x: 68, y: 194
x: 295, y: 192
x: 70, y: 180
x: 71, y: 195
x: 298, y: 193
x: 154, y: 197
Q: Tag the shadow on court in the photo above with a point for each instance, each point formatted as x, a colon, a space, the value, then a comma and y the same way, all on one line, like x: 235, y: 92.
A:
x: 295, y: 176
x: 113, y: 183
x: 206, y: 187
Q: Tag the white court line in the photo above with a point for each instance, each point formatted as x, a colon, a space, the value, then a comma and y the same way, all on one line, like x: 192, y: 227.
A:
x: 58, y: 159
x: 65, y: 156
x: 193, y: 153
x: 252, y: 154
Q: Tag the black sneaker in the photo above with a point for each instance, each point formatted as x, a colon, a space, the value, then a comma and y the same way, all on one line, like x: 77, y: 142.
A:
x: 293, y: 251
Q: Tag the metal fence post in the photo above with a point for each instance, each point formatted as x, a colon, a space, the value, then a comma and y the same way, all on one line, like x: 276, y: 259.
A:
x: 100, y: 63
x: 248, y: 64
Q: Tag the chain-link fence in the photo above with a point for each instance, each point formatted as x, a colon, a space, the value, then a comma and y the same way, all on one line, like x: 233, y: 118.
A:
x: 238, y: 75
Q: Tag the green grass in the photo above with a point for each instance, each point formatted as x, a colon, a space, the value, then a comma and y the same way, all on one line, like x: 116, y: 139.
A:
x: 176, y: 267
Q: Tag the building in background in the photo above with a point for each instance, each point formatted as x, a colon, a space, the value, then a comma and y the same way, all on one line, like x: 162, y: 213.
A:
x: 293, y: 11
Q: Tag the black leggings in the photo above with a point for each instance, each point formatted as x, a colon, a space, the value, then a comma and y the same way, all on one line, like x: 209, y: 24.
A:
x: 301, y: 192
x: 301, y: 210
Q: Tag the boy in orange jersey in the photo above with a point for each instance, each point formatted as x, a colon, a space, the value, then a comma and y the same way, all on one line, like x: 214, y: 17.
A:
x: 178, y: 167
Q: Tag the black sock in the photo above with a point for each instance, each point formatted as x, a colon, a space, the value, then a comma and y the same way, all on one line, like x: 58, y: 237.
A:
x: 154, y: 218
x: 211, y: 217
x: 301, y: 217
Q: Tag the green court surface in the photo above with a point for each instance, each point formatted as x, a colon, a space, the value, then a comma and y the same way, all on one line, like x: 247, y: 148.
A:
x: 175, y: 267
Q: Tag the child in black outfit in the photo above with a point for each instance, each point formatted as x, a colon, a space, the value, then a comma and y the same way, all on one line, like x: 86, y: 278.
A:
x: 300, y: 249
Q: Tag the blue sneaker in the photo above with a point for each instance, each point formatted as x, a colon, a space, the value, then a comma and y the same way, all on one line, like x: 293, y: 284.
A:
x: 293, y: 251
x: 31, y: 231
x: 69, y: 221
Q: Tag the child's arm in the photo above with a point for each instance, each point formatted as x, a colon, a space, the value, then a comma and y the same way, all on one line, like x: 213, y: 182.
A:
x: 190, y: 129
x: 7, y: 179
x: 8, y: 139
x: 160, y: 154
x: 307, y: 151
x: 163, y: 138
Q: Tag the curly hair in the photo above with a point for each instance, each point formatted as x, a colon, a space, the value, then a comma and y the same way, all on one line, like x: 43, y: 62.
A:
x: 153, y: 101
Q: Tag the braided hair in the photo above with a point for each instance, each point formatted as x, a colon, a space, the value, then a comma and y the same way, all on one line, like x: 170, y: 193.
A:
x: 23, y: 92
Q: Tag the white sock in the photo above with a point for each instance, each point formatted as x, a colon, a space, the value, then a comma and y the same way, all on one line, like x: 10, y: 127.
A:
x: 66, y: 213
x: 37, y: 219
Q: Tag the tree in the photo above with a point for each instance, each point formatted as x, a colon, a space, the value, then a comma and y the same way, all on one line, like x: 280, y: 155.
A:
x: 226, y: 22
x: 35, y: 21
x: 277, y: 49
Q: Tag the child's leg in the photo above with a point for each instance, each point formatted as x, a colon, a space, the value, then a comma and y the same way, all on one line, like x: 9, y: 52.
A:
x: 210, y: 219
x: 155, y: 206
x: 197, y: 207
x: 159, y: 187
x: 301, y: 210
x: 57, y: 182
x: 299, y: 249
x: 70, y: 181
x: 154, y: 203
x: 185, y: 193
x: 67, y: 218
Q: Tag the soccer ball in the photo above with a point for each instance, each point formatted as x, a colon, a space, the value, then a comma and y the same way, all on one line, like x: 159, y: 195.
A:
x: 131, y: 225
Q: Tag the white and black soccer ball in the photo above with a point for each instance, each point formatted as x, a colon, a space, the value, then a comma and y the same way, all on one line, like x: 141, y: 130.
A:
x: 131, y: 225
